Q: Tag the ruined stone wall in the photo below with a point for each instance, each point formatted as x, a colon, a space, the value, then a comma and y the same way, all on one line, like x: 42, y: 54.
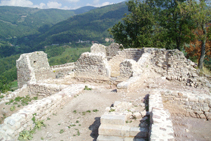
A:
x: 98, y: 49
x: 131, y: 53
x: 62, y: 70
x: 93, y: 66
x: 32, y: 67
x: 137, y: 70
x: 43, y: 89
x: 161, y: 127
x: 113, y: 49
x: 127, y: 67
x: 195, y: 105
x: 22, y: 120
x: 19, y: 92
x: 63, y: 65
x: 174, y: 66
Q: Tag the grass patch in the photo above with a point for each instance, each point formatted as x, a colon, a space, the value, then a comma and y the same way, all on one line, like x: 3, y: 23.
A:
x: 12, y: 108
x: 112, y: 110
x: 87, y: 88
x: 1, y: 96
x: 95, y: 110
x: 14, y: 85
x: 88, y: 111
x: 28, y: 135
x: 61, y: 131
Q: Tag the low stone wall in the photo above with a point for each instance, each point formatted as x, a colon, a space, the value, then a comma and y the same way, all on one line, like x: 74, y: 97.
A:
x: 44, y: 89
x: 161, y: 127
x: 195, y: 105
x: 19, y: 92
x: 63, y: 65
x: 22, y: 120
x: 116, y: 125
x: 62, y: 70
x: 93, y: 66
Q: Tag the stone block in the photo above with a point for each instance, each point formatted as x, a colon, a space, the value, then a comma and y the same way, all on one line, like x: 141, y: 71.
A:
x: 133, y: 139
x: 113, y: 119
x: 125, y: 131
x: 110, y: 130
x: 109, y: 138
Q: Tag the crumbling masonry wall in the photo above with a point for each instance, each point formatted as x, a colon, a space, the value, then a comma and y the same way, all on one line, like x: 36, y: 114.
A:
x: 22, y: 120
x: 94, y: 66
x: 195, y: 105
x: 32, y: 67
x: 62, y: 70
x: 115, y: 62
x: 161, y: 127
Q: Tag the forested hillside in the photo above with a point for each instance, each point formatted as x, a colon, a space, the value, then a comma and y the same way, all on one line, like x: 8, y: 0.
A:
x: 92, y: 26
x: 22, y: 21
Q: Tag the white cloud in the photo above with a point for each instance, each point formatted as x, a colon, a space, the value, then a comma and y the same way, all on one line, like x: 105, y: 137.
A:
x: 72, y: 1
x: 54, y: 5
x: 99, y: 5
x: 24, y: 3
x: 106, y: 3
x: 41, y: 6
x: 29, y: 3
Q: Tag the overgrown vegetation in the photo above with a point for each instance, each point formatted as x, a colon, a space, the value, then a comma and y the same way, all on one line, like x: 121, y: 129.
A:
x: 167, y: 24
x: 28, y: 135
x: 87, y: 88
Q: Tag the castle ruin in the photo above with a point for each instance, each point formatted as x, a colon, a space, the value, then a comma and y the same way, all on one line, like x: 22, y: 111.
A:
x: 128, y: 70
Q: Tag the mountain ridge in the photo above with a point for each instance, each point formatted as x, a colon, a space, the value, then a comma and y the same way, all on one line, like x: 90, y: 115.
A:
x: 23, y: 21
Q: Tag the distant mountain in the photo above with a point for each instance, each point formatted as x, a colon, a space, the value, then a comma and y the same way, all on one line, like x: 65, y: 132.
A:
x: 92, y: 25
x: 22, y: 21
x: 83, y: 9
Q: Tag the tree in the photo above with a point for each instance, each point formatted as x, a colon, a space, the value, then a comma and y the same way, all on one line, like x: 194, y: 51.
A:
x: 200, y: 14
x: 194, y: 48
x: 177, y: 24
x: 156, y: 23
x: 137, y: 27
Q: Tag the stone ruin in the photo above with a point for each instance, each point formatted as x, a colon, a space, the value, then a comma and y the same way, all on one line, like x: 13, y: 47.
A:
x: 130, y: 69
x: 33, y: 67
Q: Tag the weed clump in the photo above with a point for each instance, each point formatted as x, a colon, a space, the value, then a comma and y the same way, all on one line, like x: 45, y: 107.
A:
x: 87, y: 88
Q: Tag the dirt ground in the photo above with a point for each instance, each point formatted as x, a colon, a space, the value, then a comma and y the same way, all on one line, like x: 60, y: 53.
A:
x: 79, y: 120
x: 188, y: 128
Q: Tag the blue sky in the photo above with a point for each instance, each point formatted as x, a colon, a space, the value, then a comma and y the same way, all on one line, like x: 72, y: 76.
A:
x: 60, y: 4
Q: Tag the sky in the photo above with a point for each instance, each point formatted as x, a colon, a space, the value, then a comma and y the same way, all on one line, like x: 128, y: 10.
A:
x: 59, y: 4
